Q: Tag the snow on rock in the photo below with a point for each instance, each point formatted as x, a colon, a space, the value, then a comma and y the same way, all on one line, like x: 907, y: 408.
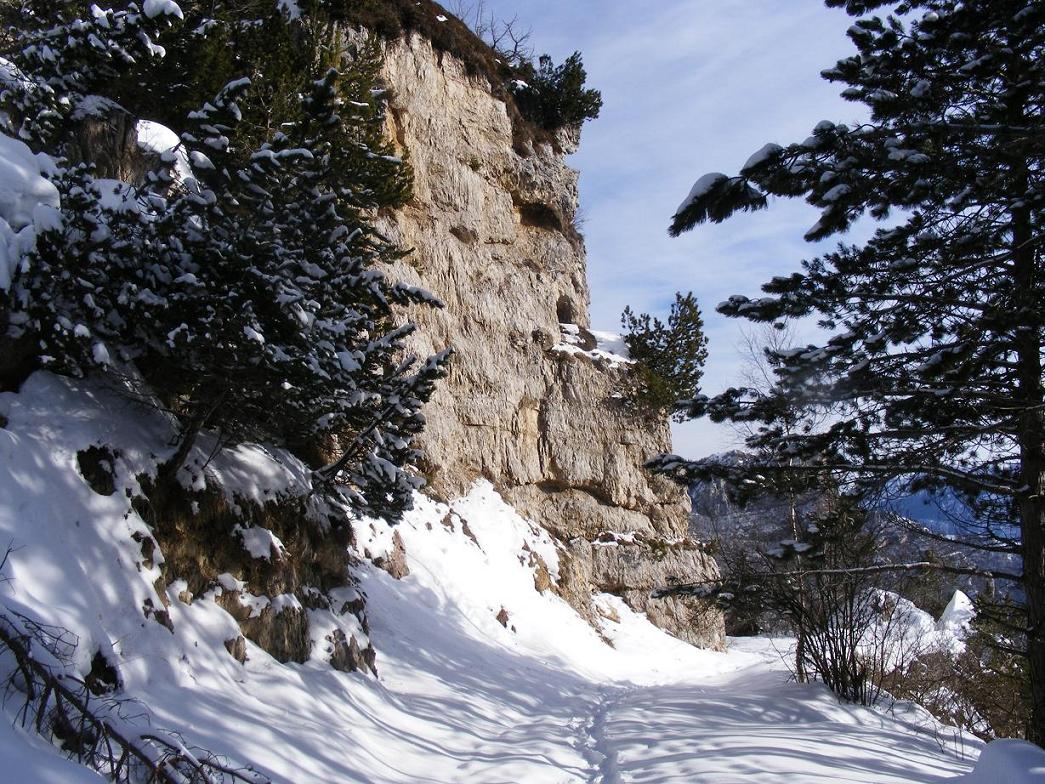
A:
x: 904, y: 632
x: 260, y: 542
x: 957, y: 616
x: 155, y: 137
x: 1007, y: 761
x: 158, y: 139
x: 607, y: 346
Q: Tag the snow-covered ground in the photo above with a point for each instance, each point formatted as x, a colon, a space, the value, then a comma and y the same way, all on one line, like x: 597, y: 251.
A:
x: 460, y: 697
x: 754, y: 726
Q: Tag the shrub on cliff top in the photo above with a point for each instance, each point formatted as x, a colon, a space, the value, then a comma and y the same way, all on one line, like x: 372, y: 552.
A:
x: 555, y: 97
x: 541, y: 98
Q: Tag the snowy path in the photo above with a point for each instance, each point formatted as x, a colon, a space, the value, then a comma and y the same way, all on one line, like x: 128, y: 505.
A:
x: 597, y: 747
x: 753, y: 726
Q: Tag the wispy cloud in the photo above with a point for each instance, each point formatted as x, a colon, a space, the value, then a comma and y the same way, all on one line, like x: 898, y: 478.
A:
x: 689, y: 87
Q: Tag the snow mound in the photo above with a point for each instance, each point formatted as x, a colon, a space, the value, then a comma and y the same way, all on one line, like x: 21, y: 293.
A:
x: 1008, y: 762
x: 957, y: 616
x: 904, y: 632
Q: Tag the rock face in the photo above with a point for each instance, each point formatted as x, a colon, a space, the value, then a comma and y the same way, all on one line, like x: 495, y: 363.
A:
x: 494, y: 238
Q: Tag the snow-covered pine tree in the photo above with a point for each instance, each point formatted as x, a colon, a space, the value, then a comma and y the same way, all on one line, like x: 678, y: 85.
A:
x: 244, y: 288
x: 276, y: 323
x: 933, y: 376
x: 55, y: 74
x: 67, y: 61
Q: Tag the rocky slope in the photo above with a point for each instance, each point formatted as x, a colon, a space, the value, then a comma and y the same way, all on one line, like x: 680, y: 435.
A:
x: 492, y: 225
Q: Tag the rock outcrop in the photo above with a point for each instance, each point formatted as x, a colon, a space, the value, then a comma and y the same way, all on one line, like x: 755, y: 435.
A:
x: 493, y: 231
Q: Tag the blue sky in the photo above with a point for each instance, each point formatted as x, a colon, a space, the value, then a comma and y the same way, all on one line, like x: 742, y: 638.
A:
x: 689, y: 86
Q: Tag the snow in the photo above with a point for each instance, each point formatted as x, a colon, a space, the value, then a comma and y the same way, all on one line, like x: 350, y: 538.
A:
x: 957, y: 616
x: 609, y: 346
x: 460, y: 697
x: 155, y: 137
x: 154, y: 8
x: 101, y: 354
x: 27, y: 758
x: 753, y: 726
x: 253, y: 334
x: 904, y: 632
x: 835, y: 193
x: 254, y: 472
x: 260, y: 542
x: 28, y: 203
x: 116, y: 195
x: 701, y: 188
x: 290, y: 8
x: 764, y: 154
x: 158, y: 139
x: 1008, y: 762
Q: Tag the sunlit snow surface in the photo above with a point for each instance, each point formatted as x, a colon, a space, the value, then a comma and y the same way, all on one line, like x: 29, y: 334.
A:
x: 460, y: 698
x: 608, y: 346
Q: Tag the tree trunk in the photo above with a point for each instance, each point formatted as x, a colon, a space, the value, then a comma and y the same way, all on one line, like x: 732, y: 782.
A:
x: 202, y: 411
x: 1032, y: 509
x: 800, y: 657
x: 800, y: 644
x: 1031, y: 495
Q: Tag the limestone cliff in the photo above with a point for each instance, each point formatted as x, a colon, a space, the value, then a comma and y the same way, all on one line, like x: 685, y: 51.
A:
x: 493, y: 231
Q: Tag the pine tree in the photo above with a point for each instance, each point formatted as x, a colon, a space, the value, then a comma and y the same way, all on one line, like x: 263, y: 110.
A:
x: 933, y: 376
x: 555, y: 97
x: 668, y: 359
x: 70, y: 59
x: 58, y: 66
